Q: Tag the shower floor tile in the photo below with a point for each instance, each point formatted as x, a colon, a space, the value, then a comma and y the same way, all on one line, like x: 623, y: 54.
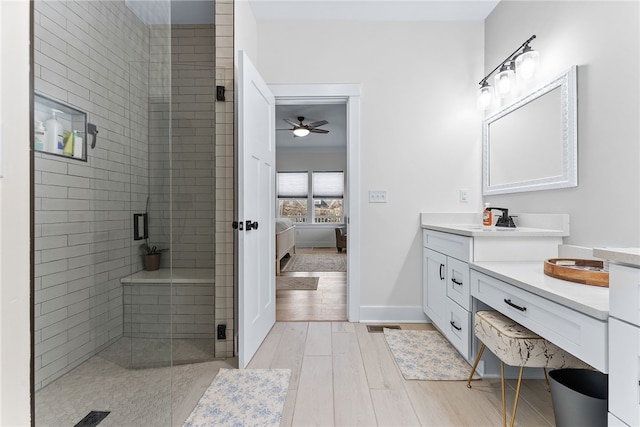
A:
x: 135, y: 397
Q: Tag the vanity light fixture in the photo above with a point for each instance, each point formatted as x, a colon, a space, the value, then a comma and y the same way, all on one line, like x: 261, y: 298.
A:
x: 521, y: 64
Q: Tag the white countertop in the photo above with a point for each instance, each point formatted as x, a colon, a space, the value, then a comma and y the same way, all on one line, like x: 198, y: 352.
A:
x: 473, y: 230
x: 469, y: 224
x: 620, y: 255
x: 169, y: 275
x: 529, y: 275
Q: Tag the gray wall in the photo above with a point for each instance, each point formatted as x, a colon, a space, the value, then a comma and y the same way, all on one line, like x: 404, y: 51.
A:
x: 603, y: 39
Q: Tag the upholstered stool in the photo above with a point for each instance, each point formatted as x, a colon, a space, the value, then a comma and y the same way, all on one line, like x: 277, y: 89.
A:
x: 516, y: 345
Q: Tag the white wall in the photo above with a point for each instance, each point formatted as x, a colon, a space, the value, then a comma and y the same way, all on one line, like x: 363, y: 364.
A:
x: 603, y: 39
x: 420, y: 137
x: 14, y: 214
x: 245, y: 32
x: 298, y: 161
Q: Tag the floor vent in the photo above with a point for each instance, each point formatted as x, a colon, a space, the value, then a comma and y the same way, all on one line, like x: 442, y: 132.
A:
x: 378, y: 328
x: 93, y: 418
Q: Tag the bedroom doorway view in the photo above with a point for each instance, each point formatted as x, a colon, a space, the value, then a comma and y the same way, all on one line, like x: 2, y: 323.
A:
x: 311, y: 204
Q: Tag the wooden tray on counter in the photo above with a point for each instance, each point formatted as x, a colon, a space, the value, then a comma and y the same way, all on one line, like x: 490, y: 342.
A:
x: 585, y: 271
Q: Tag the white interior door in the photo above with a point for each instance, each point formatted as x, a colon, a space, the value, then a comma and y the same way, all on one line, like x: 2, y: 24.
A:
x: 256, y: 210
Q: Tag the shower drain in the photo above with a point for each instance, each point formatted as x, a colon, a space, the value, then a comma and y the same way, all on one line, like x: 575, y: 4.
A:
x: 92, y: 419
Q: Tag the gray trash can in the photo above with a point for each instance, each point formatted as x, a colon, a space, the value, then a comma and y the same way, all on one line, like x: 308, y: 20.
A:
x: 579, y: 397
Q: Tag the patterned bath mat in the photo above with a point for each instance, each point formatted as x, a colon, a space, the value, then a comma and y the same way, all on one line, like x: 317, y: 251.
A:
x: 242, y: 397
x: 296, y: 283
x: 316, y: 262
x: 426, y: 355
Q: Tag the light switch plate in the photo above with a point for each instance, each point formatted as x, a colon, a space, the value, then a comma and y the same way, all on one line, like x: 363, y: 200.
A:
x: 377, y: 196
x: 464, y: 195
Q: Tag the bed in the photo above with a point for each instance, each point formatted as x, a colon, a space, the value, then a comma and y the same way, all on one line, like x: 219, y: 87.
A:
x: 285, y: 240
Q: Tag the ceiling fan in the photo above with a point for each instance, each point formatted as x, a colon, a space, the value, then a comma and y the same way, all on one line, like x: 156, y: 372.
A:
x: 300, y: 129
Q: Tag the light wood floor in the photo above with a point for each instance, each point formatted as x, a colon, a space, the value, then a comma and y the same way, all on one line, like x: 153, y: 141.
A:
x: 327, y: 303
x: 344, y: 375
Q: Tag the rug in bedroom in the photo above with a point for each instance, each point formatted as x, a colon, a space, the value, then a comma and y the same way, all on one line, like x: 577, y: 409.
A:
x: 316, y: 262
x: 288, y: 283
x: 242, y: 397
x: 426, y: 355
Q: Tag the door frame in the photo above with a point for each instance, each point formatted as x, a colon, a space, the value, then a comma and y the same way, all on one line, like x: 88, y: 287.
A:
x: 349, y: 94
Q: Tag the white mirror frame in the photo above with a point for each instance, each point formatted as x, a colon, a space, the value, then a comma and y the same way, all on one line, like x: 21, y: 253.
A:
x: 569, y: 110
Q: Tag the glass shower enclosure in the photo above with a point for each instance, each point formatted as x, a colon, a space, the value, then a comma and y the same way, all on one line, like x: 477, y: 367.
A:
x: 113, y: 336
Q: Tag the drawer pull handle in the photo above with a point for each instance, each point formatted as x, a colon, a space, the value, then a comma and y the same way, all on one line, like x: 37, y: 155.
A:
x: 457, y: 282
x: 517, y: 307
x: 441, y: 273
x: 456, y: 327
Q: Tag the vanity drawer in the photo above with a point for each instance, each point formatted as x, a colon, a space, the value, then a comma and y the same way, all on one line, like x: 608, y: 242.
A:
x: 457, y: 329
x: 460, y: 247
x: 583, y: 336
x: 624, y: 293
x: 458, y: 282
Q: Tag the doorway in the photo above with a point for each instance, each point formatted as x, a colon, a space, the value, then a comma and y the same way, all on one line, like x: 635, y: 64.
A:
x: 347, y: 96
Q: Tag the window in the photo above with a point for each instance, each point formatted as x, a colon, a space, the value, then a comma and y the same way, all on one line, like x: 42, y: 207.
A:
x: 292, y: 195
x: 327, y: 193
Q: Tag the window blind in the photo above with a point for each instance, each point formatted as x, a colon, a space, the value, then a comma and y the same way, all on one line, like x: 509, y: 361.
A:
x: 328, y: 185
x: 293, y: 185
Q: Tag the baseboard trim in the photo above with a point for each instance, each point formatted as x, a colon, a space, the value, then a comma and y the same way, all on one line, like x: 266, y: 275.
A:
x: 395, y: 314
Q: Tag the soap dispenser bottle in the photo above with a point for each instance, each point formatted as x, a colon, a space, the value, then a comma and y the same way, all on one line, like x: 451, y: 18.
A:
x: 39, y: 137
x: 487, y: 216
x: 54, y: 134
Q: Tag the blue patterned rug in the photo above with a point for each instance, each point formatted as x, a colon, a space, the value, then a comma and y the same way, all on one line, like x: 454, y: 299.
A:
x: 426, y: 355
x: 242, y: 397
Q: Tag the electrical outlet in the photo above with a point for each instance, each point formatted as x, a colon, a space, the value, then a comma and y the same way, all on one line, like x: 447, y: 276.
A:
x: 377, y: 196
x: 464, y: 195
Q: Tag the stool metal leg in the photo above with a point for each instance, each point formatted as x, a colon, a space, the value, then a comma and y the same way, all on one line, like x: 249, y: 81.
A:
x: 515, y: 402
x: 504, y: 404
x: 475, y: 365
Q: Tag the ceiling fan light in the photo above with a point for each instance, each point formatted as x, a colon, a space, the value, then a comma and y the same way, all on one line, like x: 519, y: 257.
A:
x: 301, y: 132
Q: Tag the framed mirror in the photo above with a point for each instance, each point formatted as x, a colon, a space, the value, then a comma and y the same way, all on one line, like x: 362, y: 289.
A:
x: 532, y: 144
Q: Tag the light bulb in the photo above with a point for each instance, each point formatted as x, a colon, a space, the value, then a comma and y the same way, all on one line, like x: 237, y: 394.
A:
x: 485, y: 96
x: 301, y: 132
x: 526, y: 63
x: 504, y: 80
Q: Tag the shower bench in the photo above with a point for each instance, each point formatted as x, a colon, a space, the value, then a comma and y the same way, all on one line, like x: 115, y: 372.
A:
x: 170, y: 303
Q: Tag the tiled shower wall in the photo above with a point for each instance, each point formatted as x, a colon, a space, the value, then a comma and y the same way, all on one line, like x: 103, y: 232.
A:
x: 93, y: 56
x: 182, y: 174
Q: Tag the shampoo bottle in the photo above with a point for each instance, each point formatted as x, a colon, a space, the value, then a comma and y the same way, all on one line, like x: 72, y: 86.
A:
x: 487, y: 216
x: 38, y: 136
x: 54, y: 134
x: 77, y: 145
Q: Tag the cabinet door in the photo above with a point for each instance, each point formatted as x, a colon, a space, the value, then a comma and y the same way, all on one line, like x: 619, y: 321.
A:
x: 434, y: 292
x: 624, y: 389
x: 458, y: 282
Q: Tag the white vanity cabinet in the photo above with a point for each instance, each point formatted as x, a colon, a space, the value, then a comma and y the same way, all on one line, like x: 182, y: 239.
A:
x: 624, y: 344
x: 446, y: 297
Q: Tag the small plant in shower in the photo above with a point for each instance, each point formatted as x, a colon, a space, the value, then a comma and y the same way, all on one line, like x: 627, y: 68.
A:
x: 150, y: 256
